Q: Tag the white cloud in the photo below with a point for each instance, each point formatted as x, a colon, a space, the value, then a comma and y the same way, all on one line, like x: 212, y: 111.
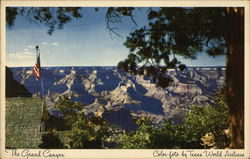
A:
x: 30, y: 46
x: 55, y: 44
x: 44, y: 43
x: 22, y: 55
x: 28, y: 53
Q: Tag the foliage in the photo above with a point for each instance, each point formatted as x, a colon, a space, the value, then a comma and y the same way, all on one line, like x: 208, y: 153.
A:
x: 85, y: 132
x: 52, y: 17
x: 174, y: 31
x: 150, y: 136
x: 69, y: 109
x: 56, y: 17
x: 115, y: 14
x: 22, y: 127
x: 51, y: 140
x: 201, y: 120
x: 210, y: 119
x: 94, y: 132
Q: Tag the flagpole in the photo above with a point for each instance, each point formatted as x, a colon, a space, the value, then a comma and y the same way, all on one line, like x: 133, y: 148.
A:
x: 37, y: 47
x: 45, y: 115
x: 37, y: 88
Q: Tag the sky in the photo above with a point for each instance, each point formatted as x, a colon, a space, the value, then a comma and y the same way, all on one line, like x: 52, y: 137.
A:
x: 81, y: 42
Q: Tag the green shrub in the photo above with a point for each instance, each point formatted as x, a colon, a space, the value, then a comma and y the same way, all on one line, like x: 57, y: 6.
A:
x: 151, y: 136
x: 209, y: 119
x: 85, y: 132
x: 51, y: 140
x: 200, y: 120
x: 136, y: 140
x: 69, y: 109
x: 89, y: 133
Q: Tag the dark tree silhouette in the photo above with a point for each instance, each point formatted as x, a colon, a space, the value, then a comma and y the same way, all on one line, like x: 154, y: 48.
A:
x: 56, y: 17
x: 49, y: 16
x: 171, y: 32
x: 51, y: 140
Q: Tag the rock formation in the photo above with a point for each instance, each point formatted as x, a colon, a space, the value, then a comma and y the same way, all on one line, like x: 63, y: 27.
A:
x: 110, y: 93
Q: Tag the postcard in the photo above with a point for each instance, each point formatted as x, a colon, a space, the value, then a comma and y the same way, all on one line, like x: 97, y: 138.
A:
x: 125, y: 79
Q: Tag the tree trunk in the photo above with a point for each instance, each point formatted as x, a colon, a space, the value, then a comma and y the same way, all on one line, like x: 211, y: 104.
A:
x: 235, y: 75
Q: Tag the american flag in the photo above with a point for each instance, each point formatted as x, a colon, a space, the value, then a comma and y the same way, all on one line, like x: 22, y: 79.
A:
x: 37, y: 67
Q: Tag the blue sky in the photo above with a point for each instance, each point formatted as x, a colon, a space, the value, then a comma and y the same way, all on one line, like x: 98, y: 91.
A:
x: 81, y: 42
